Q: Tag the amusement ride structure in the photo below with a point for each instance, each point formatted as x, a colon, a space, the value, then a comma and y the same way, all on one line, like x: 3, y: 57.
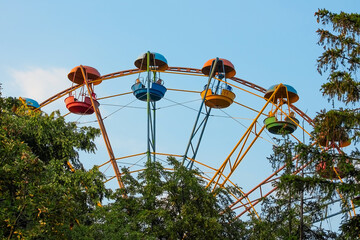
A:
x: 215, y: 122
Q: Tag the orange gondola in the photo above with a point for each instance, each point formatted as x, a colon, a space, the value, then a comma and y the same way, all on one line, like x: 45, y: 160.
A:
x: 218, y: 95
x: 329, y: 172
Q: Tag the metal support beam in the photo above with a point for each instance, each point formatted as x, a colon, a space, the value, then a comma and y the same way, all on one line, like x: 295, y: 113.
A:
x: 199, y: 126
x: 103, y: 130
x: 241, y: 142
x: 151, y: 114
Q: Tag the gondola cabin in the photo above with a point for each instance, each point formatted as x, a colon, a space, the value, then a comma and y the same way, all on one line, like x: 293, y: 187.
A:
x: 330, y: 172
x: 356, y: 201
x: 82, y: 106
x: 219, y: 94
x: 156, y: 91
x: 325, y: 142
x: 281, y: 120
x: 150, y: 62
x: 222, y: 100
x: 80, y: 102
x: 334, y: 137
x: 278, y: 127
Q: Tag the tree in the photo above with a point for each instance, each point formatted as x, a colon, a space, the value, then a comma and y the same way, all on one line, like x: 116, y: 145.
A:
x: 302, y: 199
x: 164, y: 204
x: 291, y: 212
x: 341, y: 54
x: 341, y: 60
x: 40, y: 197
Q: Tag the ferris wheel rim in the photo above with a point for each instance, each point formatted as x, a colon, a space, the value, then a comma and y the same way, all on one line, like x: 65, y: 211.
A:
x: 190, y: 71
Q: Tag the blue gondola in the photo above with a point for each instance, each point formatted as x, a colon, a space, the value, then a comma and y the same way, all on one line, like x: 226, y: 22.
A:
x: 157, y: 91
x: 31, y: 103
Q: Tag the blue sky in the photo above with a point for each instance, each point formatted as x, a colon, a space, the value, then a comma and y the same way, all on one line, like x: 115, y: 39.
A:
x: 268, y: 42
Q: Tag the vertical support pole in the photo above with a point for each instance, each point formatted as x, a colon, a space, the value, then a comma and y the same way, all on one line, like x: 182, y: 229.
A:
x: 103, y: 131
x: 154, y: 124
x: 202, y: 124
x: 148, y: 104
x: 151, y: 114
x: 154, y: 131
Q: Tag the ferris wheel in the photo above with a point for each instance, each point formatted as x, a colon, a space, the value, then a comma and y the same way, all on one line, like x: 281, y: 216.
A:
x: 207, y: 118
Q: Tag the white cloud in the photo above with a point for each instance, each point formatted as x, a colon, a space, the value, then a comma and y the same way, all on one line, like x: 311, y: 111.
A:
x: 37, y: 83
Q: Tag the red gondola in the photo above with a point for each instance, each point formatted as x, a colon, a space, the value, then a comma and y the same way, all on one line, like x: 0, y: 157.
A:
x: 81, y: 103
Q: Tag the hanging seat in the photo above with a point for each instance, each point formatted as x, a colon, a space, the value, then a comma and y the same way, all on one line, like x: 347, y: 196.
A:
x: 80, y: 107
x: 356, y: 201
x: 157, y: 91
x: 328, y: 172
x: 223, y: 100
x: 329, y: 139
x: 280, y: 127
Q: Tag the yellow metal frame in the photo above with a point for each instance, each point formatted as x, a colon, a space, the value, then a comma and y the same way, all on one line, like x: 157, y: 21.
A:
x: 219, y: 179
x: 103, y: 130
x: 242, y: 140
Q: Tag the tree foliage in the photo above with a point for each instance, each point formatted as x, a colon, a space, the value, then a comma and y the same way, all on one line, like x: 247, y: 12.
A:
x: 341, y: 60
x: 40, y: 197
x: 167, y: 204
x: 297, y: 203
x: 341, y: 56
x: 304, y: 196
